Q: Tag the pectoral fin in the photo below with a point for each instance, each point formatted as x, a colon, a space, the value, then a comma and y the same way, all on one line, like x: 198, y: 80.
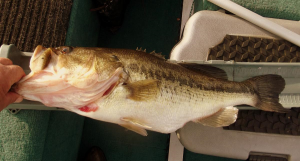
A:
x: 223, y: 117
x: 143, y: 90
x: 136, y: 129
x: 135, y: 125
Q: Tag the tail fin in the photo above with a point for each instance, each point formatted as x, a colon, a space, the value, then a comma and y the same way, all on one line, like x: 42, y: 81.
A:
x: 268, y: 88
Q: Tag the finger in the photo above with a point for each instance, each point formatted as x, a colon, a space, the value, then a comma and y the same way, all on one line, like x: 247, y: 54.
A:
x: 5, y: 61
x: 9, y: 98
x: 15, y: 74
x: 19, y: 99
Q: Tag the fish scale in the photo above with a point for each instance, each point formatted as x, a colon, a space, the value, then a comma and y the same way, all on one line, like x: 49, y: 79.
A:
x: 142, y: 91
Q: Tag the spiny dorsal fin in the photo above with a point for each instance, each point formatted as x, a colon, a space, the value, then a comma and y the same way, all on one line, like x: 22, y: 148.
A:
x: 223, y: 117
x: 140, y: 49
x: 207, y: 70
x: 143, y: 90
x: 159, y: 55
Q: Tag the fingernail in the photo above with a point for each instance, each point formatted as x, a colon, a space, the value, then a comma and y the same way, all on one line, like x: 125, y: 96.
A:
x: 19, y: 99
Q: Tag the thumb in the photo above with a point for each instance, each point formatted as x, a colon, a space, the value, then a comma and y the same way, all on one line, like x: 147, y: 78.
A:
x: 12, y: 97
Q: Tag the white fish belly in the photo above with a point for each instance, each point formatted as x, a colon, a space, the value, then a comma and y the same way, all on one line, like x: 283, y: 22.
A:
x: 168, y: 112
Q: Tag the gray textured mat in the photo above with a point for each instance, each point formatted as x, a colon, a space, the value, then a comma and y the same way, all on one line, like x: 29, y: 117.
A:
x: 28, y: 23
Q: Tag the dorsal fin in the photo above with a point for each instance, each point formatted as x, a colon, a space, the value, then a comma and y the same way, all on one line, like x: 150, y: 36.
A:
x: 207, y: 70
x: 140, y: 49
x: 159, y: 55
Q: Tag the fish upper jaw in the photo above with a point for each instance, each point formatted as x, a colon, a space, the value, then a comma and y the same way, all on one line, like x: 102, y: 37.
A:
x: 42, y: 58
x: 38, y: 50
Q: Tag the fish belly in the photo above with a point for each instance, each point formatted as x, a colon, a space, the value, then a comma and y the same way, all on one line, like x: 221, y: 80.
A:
x: 168, y: 112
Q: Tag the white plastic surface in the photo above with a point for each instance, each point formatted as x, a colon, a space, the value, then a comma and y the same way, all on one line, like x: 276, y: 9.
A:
x: 259, y: 20
x: 236, y: 144
x: 206, y: 29
x: 175, y: 148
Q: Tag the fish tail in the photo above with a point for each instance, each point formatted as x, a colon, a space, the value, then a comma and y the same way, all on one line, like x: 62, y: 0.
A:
x: 267, y: 88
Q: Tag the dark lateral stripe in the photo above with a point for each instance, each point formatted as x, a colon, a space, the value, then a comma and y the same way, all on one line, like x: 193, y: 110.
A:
x: 206, y: 84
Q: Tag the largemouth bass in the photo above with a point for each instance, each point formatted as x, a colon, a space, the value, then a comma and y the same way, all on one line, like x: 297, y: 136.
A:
x: 142, y: 91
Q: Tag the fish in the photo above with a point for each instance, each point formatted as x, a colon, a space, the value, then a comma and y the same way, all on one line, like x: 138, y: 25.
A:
x: 142, y: 91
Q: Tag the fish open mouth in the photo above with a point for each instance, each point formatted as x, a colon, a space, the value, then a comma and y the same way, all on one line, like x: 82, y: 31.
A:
x: 50, y: 92
x: 56, y: 85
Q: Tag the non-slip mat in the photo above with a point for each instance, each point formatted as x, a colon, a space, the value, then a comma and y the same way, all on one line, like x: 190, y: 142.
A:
x: 28, y: 23
x: 254, y: 49
x: 268, y: 122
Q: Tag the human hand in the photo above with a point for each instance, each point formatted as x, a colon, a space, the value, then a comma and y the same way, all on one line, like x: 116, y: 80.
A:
x: 9, y: 74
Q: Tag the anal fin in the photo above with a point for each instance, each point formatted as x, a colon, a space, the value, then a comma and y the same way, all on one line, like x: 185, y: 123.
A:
x: 223, y: 117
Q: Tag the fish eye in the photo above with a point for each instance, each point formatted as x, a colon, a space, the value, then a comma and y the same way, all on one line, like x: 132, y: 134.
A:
x: 66, y: 49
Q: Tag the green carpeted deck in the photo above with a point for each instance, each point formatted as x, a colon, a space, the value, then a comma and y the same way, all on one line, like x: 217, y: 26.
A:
x: 39, y: 135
